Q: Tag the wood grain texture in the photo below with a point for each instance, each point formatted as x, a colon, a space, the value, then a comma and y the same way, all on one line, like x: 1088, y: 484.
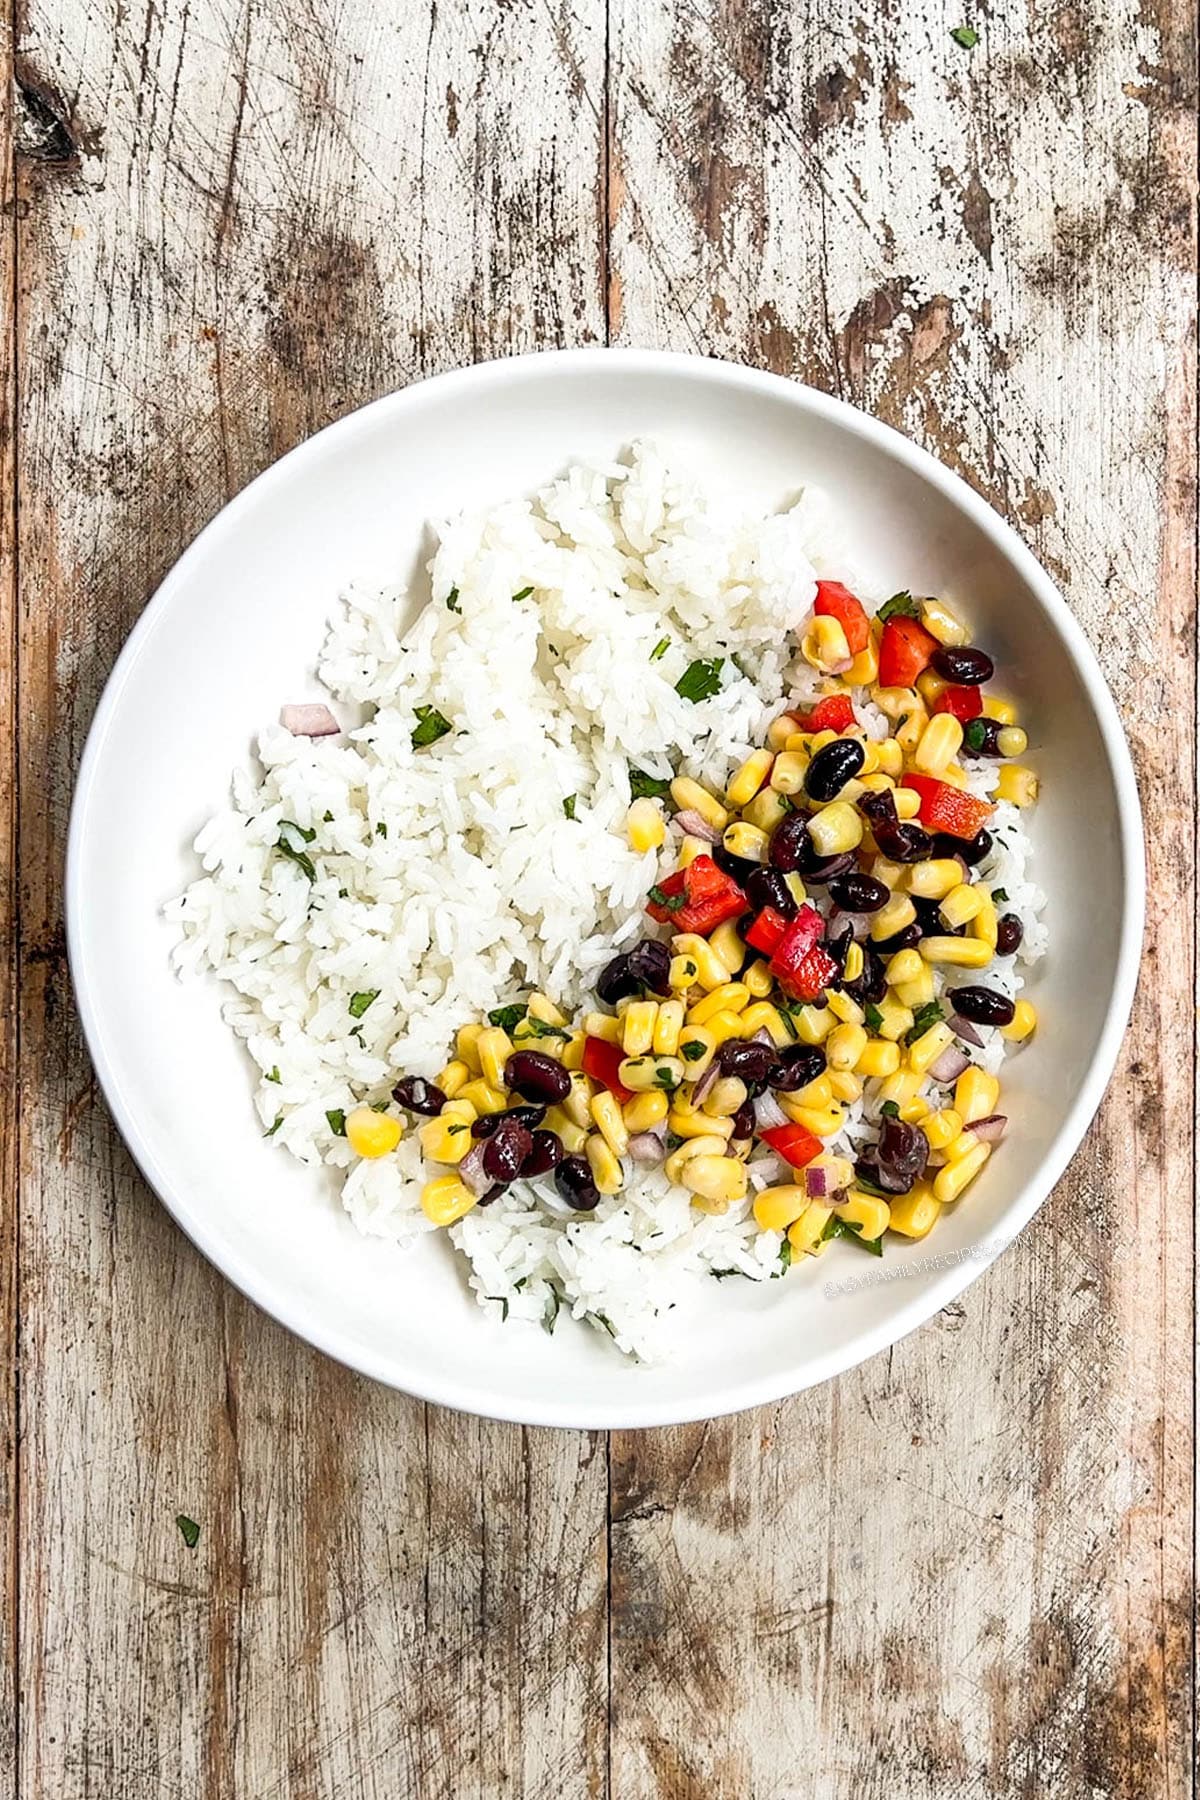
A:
x: 966, y: 1569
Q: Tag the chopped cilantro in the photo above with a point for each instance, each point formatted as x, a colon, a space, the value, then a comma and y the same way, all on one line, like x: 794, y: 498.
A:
x: 507, y: 1017
x: 284, y: 845
x: 539, y: 1028
x: 701, y: 679
x: 664, y: 1079
x: 647, y: 787
x: 660, y: 649
x: 722, y: 1274
x: 673, y: 1140
x: 454, y: 1130
x: 785, y: 1258
x: 999, y: 895
x: 550, y: 1313
x: 847, y: 1228
x: 275, y: 1127
x: 379, y: 1106
x: 452, y: 600
x: 899, y: 604
x: 189, y: 1530
x: 337, y: 1121
x: 569, y: 805
x: 975, y: 734
x: 524, y: 595
x: 381, y: 829
x: 925, y: 1016
x: 291, y: 825
x: 328, y: 816
x: 671, y: 903
x: 360, y: 1002
x: 274, y: 1076
x: 871, y: 1187
x: 890, y: 1110
x: 432, y: 726
x: 966, y: 36
x: 873, y: 1015
x: 692, y: 1051
x: 742, y: 666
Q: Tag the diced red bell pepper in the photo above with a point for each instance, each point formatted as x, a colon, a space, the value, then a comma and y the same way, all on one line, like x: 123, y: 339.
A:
x: 948, y: 808
x: 601, y: 1060
x: 768, y: 931
x: 837, y: 602
x: 834, y: 713
x: 795, y: 1143
x: 904, y: 650
x: 799, y: 964
x: 964, y: 702
x: 698, y: 898
x: 811, y: 975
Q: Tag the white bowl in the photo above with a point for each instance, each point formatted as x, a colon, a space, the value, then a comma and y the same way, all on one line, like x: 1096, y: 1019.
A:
x: 235, y: 629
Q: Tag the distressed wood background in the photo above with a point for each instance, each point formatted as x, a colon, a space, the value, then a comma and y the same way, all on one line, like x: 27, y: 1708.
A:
x: 967, y: 1569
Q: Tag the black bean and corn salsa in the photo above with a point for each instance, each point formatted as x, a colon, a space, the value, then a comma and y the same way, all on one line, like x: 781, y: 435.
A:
x: 824, y: 939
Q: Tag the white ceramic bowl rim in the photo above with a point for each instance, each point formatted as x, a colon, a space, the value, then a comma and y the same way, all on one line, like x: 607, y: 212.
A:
x: 931, y: 1295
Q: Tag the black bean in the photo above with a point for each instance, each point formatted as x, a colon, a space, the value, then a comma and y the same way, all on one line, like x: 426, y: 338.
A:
x: 1009, y: 932
x: 972, y: 850
x: 798, y: 1065
x: 902, y: 842
x: 870, y: 987
x: 981, y: 737
x: 900, y: 1155
x: 790, y: 844
x: 485, y: 1124
x: 982, y: 1005
x: 573, y: 1179
x: 963, y: 664
x: 419, y: 1096
x: 536, y: 1076
x: 616, y: 981
x: 493, y: 1193
x: 832, y: 767
x: 506, y: 1150
x: 749, y: 1061
x: 545, y: 1153
x: 767, y: 887
x: 738, y: 868
x: 828, y: 868
x: 858, y: 893
x: 904, y: 939
x: 528, y: 1116
x: 743, y: 1120
x: 650, y: 965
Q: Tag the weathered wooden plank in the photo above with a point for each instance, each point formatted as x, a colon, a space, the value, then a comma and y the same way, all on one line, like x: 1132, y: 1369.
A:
x: 239, y: 221
x: 966, y: 1568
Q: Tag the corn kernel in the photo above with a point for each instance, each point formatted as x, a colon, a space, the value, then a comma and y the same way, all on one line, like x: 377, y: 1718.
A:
x: 483, y: 1096
x: 780, y: 730
x: 762, y: 1016
x: 725, y: 1025
x: 816, y: 1093
x: 749, y: 778
x: 892, y: 917
x: 711, y: 1145
x: 686, y: 1122
x: 602, y: 1025
x: 914, y: 1110
x: 571, y: 1135
x: 957, y: 952
x: 985, y: 925
x: 667, y: 1027
x: 915, y: 1214
x: 642, y: 1073
x: 930, y: 685
x: 900, y: 1087
x: 787, y: 776
x: 823, y: 1122
x: 975, y: 1095
x: 372, y: 1134
x: 813, y: 1023
x: 844, y: 1045
x: 855, y: 962
x: 941, y: 1128
x: 871, y: 1215
x: 637, y: 1027
x: 950, y: 1181
x: 697, y: 1047
x: 1023, y: 1023
x: 941, y: 623
x: 606, y: 1169
x: 446, y: 1199
x: 844, y: 1085
x: 894, y: 702
x: 453, y: 1078
x: 919, y: 991
x: 889, y: 758
x: 689, y: 796
x: 776, y: 1208
x: 644, y: 825
x: 895, y: 1018
x: 865, y: 667
x: 903, y: 967
x: 731, y: 997
x: 835, y: 829
x: 824, y: 644
x: 729, y: 946
x: 1011, y: 741
x: 571, y: 1056
x: 962, y: 904
x: 1003, y: 711
x: 683, y: 972
x: 908, y: 803
x: 494, y: 1048
x: 711, y: 972
x: 578, y: 1103
x: 910, y: 730
x: 543, y: 1008
x: 879, y: 1057
x: 892, y: 874
x: 934, y: 879
x: 1017, y: 784
x: 645, y: 1111
x: 444, y: 1139
x: 956, y: 775
x: 805, y: 1236
x: 690, y: 848
x: 606, y: 1114
x: 526, y: 1031
x: 766, y: 810
x: 746, y: 841
x: 466, y: 1045
x: 725, y: 1096
x: 924, y: 1052
x: 876, y: 782
x: 796, y: 888
x: 757, y: 980
x: 845, y: 1007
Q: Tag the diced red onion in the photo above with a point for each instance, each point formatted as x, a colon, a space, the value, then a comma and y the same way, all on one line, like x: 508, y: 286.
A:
x: 991, y: 1129
x: 963, y: 1029
x: 705, y: 1084
x: 762, y: 1036
x: 472, y: 1174
x: 816, y: 1183
x: 309, y: 719
x: 695, y: 826
x: 839, y: 668
x: 648, y: 1146
x: 768, y: 1114
x: 950, y: 1064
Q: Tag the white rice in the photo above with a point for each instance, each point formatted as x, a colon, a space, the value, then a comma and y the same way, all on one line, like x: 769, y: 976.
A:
x: 448, y: 879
